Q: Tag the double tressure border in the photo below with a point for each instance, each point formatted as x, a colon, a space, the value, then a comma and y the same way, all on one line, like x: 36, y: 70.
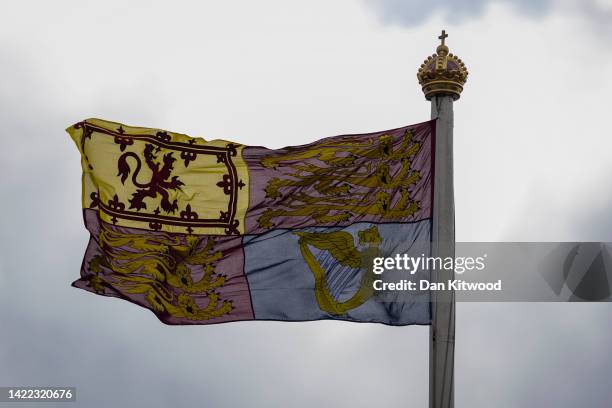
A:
x: 189, y: 152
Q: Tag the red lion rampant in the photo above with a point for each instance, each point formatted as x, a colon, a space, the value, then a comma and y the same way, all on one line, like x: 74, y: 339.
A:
x: 159, y: 183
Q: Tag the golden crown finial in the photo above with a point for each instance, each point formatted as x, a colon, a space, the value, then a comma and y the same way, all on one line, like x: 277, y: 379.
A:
x: 442, y: 73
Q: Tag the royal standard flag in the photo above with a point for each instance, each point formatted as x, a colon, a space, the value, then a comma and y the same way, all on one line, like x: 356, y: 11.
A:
x: 203, y: 232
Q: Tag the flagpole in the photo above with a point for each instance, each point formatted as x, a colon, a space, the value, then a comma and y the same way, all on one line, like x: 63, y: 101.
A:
x: 442, y: 77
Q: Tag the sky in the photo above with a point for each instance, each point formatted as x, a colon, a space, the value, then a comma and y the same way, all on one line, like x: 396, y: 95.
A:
x: 533, y: 154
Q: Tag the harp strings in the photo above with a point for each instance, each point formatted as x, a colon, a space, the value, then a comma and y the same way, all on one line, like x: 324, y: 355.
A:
x: 338, y: 276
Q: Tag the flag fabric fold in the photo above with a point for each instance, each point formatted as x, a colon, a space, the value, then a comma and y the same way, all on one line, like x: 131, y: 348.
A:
x: 204, y: 232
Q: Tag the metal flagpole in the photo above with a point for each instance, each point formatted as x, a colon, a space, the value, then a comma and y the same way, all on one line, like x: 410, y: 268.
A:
x: 442, y: 77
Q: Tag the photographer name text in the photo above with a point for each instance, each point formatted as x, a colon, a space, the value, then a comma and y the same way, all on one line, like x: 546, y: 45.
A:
x: 423, y: 284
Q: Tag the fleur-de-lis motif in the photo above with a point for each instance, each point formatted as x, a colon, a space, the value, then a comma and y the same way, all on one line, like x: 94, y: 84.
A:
x: 115, y: 204
x: 188, y: 157
x: 164, y: 136
x: 231, y: 149
x: 221, y: 158
x: 188, y: 214
x: 155, y: 226
x: 95, y: 200
x: 232, y: 229
x: 226, y: 184
x: 123, y: 141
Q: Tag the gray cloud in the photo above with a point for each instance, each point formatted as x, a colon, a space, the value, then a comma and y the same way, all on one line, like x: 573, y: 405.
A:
x: 415, y: 12
x: 117, y: 354
x: 596, y: 224
x: 598, y: 16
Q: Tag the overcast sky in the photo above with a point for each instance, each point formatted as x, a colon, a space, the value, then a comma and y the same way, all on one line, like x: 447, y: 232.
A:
x: 533, y: 163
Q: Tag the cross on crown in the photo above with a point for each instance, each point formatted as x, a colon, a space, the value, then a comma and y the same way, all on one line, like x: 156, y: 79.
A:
x: 443, y: 36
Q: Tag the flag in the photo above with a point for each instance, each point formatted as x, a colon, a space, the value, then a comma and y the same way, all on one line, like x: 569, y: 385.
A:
x: 203, y: 232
